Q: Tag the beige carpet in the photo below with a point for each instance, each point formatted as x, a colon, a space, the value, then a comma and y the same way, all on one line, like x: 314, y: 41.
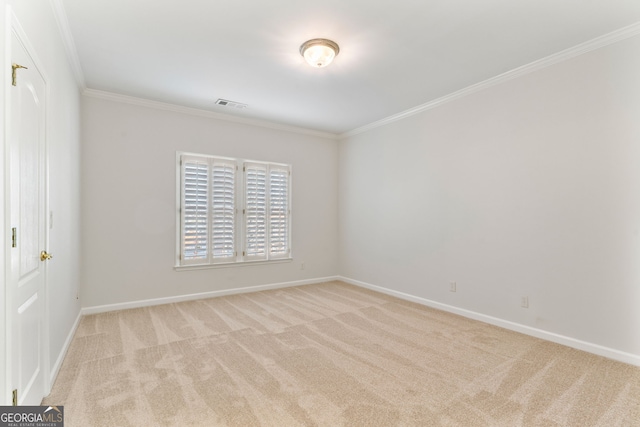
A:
x: 329, y: 355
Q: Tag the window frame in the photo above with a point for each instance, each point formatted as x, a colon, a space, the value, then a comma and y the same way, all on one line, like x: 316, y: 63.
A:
x: 241, y: 257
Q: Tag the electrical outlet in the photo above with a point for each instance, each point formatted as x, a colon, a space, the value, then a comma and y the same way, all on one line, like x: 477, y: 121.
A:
x: 524, y: 302
x: 452, y: 286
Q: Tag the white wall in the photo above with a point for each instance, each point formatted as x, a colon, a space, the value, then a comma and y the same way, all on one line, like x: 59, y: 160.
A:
x: 529, y: 188
x: 63, y: 139
x: 129, y: 193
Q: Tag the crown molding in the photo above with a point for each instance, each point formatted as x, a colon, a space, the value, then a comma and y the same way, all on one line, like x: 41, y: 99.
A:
x: 141, y: 102
x: 69, y: 44
x: 597, y: 43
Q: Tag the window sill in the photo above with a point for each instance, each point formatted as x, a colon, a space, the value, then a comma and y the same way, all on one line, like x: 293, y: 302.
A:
x: 231, y: 264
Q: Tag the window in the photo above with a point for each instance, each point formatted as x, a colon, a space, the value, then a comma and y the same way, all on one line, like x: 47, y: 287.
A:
x: 232, y: 211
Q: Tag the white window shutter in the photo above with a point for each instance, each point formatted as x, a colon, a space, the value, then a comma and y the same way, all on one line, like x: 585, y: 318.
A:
x: 278, y: 212
x: 223, y: 207
x: 195, y: 214
x: 228, y: 215
x: 255, y: 215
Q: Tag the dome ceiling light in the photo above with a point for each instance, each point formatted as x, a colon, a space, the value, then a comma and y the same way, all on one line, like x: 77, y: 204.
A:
x: 319, y: 52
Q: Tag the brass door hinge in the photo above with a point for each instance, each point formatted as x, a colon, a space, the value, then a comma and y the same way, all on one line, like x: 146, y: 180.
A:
x: 15, y: 397
x: 14, y: 78
x: 14, y: 237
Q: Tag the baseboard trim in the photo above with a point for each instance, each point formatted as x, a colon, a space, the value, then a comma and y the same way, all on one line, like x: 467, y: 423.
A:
x: 179, y: 298
x: 599, y: 350
x: 63, y: 352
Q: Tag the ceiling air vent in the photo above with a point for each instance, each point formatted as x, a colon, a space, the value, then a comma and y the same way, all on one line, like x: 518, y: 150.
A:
x: 231, y: 104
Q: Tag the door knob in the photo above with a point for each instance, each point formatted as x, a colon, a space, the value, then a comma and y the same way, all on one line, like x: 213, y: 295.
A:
x: 45, y: 256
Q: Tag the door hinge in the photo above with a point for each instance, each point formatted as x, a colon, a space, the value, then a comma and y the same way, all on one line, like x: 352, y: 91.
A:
x: 14, y: 77
x: 14, y: 237
x: 243, y: 253
x: 15, y: 397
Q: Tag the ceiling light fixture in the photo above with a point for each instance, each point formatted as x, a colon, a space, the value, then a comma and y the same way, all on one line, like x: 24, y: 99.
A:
x: 319, y: 52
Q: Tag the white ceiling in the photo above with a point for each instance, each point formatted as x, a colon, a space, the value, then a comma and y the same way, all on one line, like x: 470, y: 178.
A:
x: 394, y: 55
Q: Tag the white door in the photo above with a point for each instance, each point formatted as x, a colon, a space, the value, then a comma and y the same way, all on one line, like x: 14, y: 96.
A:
x: 27, y: 177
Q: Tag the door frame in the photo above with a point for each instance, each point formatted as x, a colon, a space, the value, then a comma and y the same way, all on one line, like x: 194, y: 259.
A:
x: 15, y: 29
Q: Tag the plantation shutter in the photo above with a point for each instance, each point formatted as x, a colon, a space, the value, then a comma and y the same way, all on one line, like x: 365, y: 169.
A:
x: 223, y: 203
x: 278, y: 212
x: 231, y: 217
x: 255, y: 216
x: 195, y: 213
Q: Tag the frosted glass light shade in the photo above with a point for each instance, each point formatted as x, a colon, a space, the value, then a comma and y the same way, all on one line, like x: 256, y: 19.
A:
x: 319, y: 52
